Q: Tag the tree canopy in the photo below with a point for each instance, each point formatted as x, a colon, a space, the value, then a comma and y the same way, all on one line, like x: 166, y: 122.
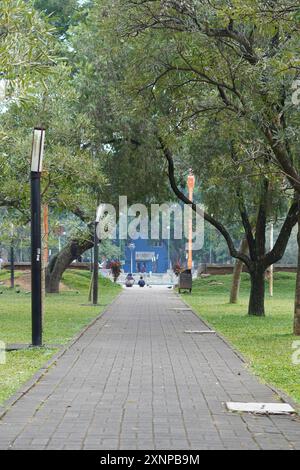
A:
x: 134, y: 93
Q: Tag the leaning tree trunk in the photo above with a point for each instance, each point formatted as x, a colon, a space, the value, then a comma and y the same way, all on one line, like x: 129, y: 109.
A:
x: 257, y: 294
x: 297, y: 297
x: 238, y: 269
x: 62, y: 261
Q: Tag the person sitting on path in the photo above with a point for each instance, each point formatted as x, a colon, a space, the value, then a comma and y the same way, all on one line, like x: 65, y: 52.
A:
x: 129, y: 280
x: 141, y: 282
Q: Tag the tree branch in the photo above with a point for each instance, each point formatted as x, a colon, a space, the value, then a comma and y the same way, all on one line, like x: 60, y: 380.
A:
x: 280, y: 246
x: 220, y: 227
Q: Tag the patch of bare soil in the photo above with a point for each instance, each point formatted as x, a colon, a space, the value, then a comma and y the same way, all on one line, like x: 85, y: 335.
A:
x: 24, y: 282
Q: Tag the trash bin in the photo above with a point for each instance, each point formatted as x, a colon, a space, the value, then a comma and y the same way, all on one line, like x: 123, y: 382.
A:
x: 185, y: 281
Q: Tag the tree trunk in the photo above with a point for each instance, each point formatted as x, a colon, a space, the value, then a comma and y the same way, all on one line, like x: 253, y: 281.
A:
x: 62, y: 261
x: 258, y: 260
x: 238, y: 269
x: 297, y: 297
x: 257, y: 294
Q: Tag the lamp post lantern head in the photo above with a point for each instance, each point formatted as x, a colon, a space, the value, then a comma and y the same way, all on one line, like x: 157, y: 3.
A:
x: 37, y: 150
x: 131, y: 246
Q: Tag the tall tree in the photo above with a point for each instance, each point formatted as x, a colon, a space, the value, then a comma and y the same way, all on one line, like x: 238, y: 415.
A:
x: 258, y: 259
x: 201, y: 57
x: 27, y: 49
x: 237, y: 272
x: 62, y: 15
x: 113, y: 140
x: 66, y: 186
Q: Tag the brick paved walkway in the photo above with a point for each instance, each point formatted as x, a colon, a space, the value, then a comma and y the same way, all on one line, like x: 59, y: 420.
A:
x: 135, y: 380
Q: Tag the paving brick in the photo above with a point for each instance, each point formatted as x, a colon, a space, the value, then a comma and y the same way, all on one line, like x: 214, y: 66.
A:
x: 144, y: 384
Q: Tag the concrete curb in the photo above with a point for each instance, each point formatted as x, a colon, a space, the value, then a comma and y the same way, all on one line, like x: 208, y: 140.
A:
x: 8, y: 404
x: 282, y: 395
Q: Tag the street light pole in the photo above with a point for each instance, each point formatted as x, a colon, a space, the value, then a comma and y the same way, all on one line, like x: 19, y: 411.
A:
x: 272, y: 266
x: 36, y: 236
x: 12, y: 265
x: 191, y: 186
x: 169, y: 261
x: 131, y: 246
x: 99, y: 215
x: 96, y: 266
x: 12, y: 259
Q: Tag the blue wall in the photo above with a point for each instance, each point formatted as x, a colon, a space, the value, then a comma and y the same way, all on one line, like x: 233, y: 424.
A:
x: 146, y: 246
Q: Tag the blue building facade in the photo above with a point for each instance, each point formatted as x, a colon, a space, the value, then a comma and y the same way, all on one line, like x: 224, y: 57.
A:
x: 147, y: 256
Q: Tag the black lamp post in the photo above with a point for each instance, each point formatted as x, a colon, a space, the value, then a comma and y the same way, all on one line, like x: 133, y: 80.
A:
x: 12, y: 266
x: 36, y: 236
x: 96, y: 266
x: 99, y: 214
x: 12, y: 259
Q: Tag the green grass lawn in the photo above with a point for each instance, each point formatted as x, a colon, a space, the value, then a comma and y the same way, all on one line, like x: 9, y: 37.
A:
x: 65, y: 315
x: 265, y: 342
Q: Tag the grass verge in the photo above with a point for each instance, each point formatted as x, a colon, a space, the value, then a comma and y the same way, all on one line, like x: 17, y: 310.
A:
x: 65, y: 315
